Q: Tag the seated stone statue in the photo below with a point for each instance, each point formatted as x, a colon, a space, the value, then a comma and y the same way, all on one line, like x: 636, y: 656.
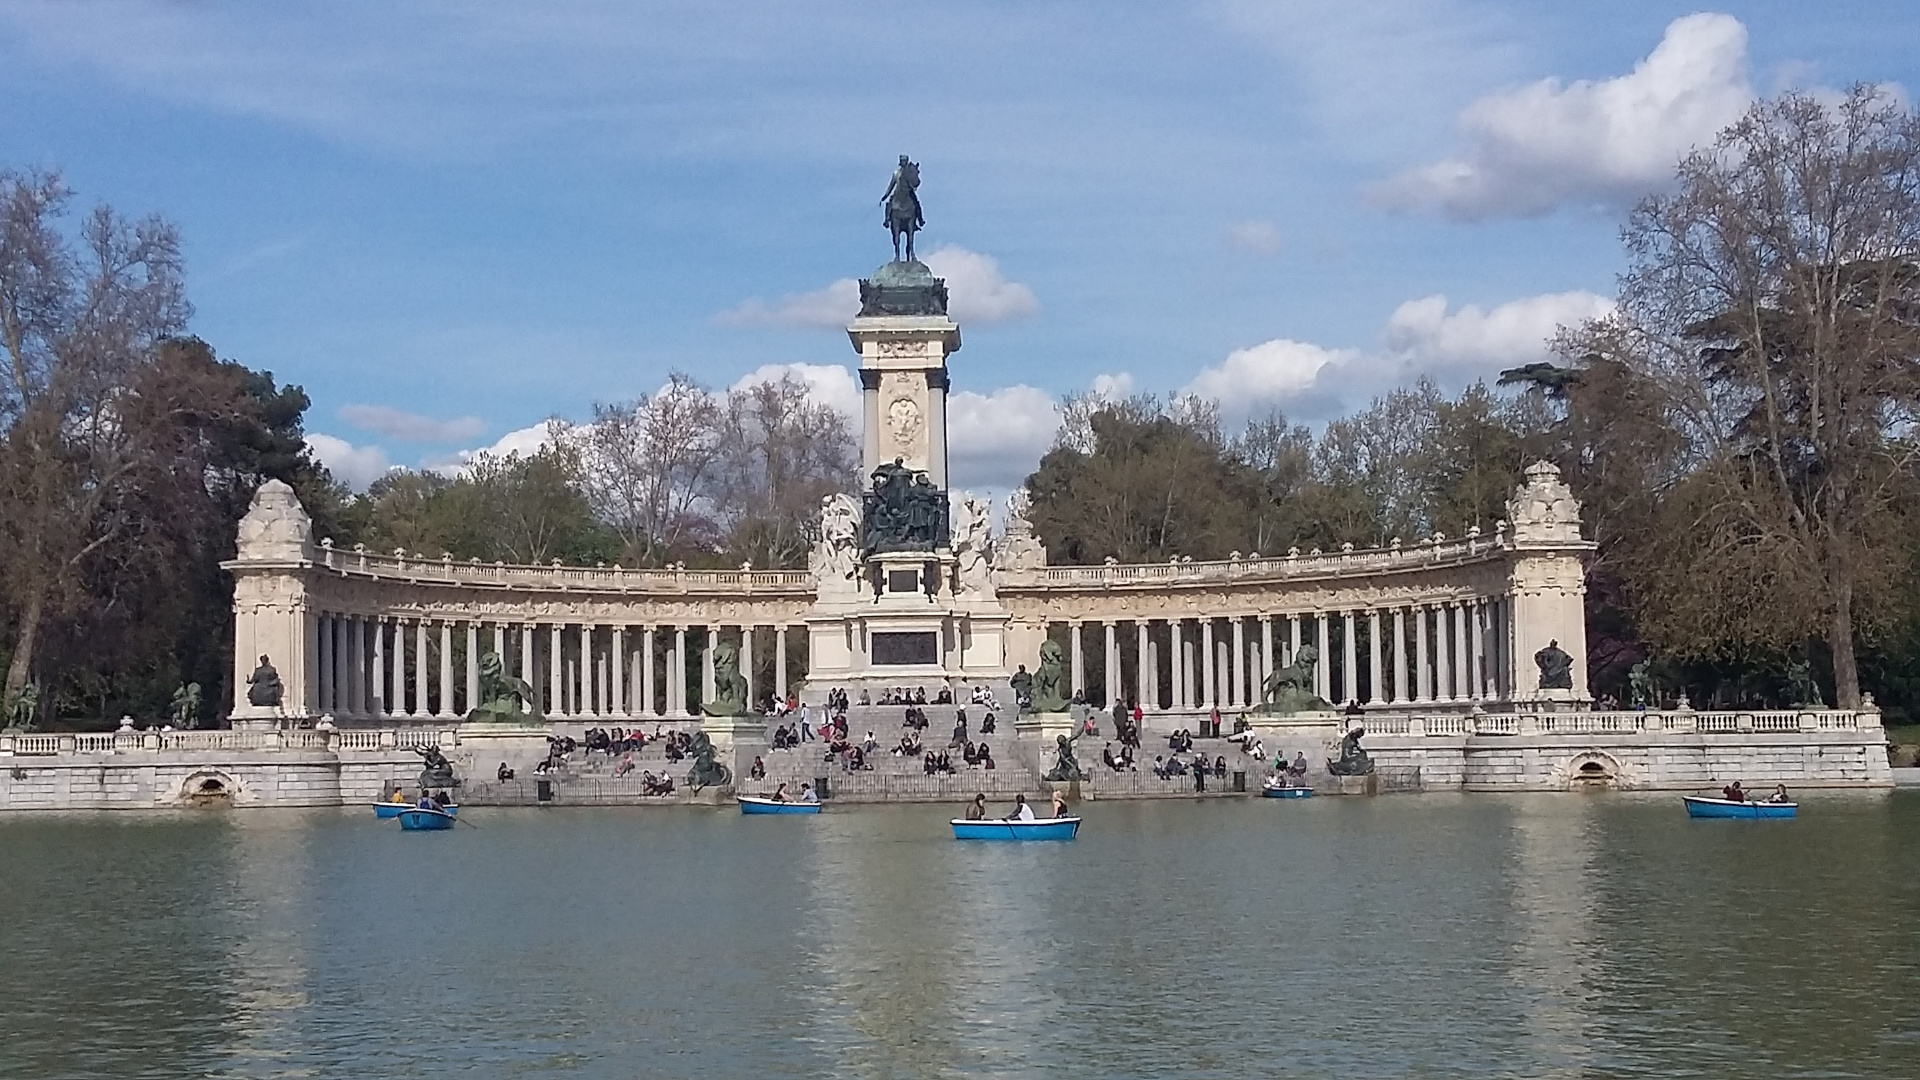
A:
x: 263, y: 686
x: 1556, y: 667
x: 1353, y: 760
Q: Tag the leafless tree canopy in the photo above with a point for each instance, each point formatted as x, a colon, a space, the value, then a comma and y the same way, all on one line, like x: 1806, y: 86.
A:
x: 81, y: 312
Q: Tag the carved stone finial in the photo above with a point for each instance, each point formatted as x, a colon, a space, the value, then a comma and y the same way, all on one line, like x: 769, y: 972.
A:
x: 276, y: 528
x: 1543, y: 509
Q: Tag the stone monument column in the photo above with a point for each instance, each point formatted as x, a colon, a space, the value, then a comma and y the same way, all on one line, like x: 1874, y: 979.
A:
x: 1547, y: 587
x: 273, y: 612
x: 903, y: 336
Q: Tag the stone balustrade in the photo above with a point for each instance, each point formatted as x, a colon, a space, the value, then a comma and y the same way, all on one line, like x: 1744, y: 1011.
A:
x: 1257, y: 568
x: 1620, y: 723
x: 472, y: 573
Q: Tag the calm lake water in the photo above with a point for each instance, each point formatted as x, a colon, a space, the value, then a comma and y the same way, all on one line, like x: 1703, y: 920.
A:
x: 1429, y: 936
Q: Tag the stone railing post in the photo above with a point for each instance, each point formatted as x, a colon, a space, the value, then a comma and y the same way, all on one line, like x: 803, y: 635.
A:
x: 6, y: 744
x: 66, y: 744
x: 1529, y: 724
x: 150, y: 740
x: 387, y: 740
x: 1417, y: 725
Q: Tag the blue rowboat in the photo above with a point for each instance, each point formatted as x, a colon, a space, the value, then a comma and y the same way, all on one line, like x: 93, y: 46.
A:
x: 1287, y: 792
x: 385, y: 810
x: 1727, y: 808
x: 418, y: 819
x: 1038, y: 829
x: 753, y: 804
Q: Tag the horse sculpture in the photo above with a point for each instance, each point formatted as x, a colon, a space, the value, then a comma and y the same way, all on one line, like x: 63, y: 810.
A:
x: 902, y: 203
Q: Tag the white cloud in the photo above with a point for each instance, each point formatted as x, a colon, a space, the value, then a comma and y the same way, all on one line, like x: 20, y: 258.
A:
x: 1422, y: 337
x: 1272, y: 371
x: 1530, y: 150
x: 995, y: 440
x: 524, y: 441
x: 827, y: 384
x: 410, y: 427
x: 1113, y: 387
x: 835, y: 305
x: 354, y: 466
x: 1478, y: 342
x: 977, y: 293
x: 1255, y: 237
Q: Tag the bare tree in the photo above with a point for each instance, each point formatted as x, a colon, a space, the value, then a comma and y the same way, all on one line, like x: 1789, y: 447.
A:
x: 79, y: 316
x: 1776, y: 297
x: 647, y: 465
x: 781, y: 453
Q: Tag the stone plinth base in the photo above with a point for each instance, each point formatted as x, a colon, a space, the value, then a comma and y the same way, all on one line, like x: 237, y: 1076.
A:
x: 1357, y: 785
x: 261, y: 718
x: 1045, y: 726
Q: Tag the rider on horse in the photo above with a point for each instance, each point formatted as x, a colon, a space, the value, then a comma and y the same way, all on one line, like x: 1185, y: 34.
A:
x: 902, y: 202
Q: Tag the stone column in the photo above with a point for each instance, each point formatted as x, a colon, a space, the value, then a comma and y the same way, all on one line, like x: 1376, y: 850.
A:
x: 378, y: 706
x: 422, y: 656
x: 1176, y: 663
x: 619, y: 681
x: 556, y: 671
x: 1373, y: 656
x: 1209, y: 685
x: 1111, y: 662
x: 1237, y: 693
x: 1323, y: 669
x: 677, y: 672
x: 1442, y: 652
x: 1079, y: 677
x: 1266, y: 658
x: 589, y: 672
x: 646, y: 671
x: 1295, y: 626
x: 1402, y: 669
x: 1349, y: 660
x: 746, y: 660
x: 1423, y: 678
x: 526, y: 660
x: 356, y: 666
x: 446, y: 669
x: 1145, y: 683
x: 780, y: 661
x: 1469, y: 648
x: 323, y: 671
x: 706, y: 666
x: 500, y: 645
x: 473, y: 666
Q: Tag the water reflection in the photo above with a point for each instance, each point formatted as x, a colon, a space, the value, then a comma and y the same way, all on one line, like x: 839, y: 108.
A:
x: 1446, y: 936
x: 1552, y: 901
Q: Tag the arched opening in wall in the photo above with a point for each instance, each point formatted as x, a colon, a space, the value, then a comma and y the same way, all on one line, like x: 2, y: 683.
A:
x: 209, y: 790
x: 1593, y: 774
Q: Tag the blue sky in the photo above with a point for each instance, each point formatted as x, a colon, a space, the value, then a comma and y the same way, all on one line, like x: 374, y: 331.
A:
x: 450, y: 220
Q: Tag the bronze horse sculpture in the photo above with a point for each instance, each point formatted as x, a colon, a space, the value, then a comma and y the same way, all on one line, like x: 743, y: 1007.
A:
x: 902, y: 203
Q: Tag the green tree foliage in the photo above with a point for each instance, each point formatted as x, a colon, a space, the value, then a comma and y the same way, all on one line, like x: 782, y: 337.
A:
x: 1139, y: 480
x: 1765, y: 372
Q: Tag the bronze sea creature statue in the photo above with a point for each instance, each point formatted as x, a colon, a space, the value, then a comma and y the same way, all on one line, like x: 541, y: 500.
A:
x: 707, y: 770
